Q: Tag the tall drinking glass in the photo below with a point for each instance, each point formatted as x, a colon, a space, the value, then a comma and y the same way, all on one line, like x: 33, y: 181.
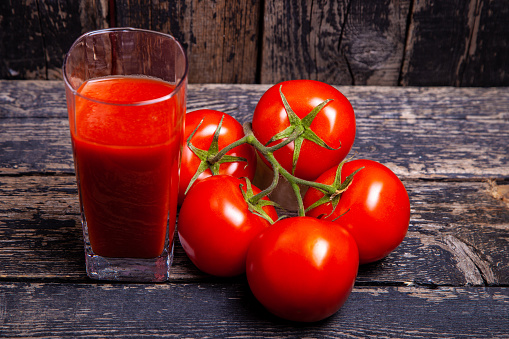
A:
x: 126, y: 100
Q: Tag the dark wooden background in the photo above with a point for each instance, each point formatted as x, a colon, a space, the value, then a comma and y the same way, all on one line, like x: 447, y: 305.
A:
x: 342, y: 42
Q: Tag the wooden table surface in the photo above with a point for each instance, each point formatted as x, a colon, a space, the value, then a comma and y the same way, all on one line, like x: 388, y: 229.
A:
x: 449, y: 277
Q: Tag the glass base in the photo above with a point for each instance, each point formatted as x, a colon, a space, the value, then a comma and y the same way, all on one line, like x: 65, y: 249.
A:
x: 129, y: 269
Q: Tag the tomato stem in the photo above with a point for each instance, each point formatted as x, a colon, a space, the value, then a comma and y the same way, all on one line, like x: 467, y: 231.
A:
x: 297, y: 132
x: 267, y: 153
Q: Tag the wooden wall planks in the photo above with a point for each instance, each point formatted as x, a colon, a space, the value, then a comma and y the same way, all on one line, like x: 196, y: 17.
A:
x: 36, y: 34
x: 342, y: 42
x: 457, y: 42
x: 220, y: 36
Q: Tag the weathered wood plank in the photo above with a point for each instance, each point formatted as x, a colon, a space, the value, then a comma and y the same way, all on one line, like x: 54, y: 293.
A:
x: 456, y: 42
x: 62, y: 22
x: 438, y: 38
x: 450, y: 42
x: 374, y: 40
x: 200, y: 310
x: 486, y: 60
x: 301, y: 40
x: 36, y: 34
x: 458, y: 235
x: 418, y: 132
x: 220, y: 37
x: 343, y: 43
x: 21, y: 41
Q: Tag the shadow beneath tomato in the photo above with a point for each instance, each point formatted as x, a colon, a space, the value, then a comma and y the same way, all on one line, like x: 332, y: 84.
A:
x: 371, y: 267
x: 263, y: 320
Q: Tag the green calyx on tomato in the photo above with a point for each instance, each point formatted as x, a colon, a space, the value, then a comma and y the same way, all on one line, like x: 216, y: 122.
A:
x: 215, y: 226
x: 338, y: 188
x: 375, y: 209
x: 325, y: 112
x: 268, y: 153
x: 300, y: 128
x: 302, y: 125
x: 256, y: 205
x: 208, y: 158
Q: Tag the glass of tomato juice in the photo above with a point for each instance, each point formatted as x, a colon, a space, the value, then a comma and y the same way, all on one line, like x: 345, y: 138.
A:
x: 126, y: 101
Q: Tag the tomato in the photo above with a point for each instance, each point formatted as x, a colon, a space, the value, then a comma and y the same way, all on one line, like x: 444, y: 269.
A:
x: 302, y: 268
x: 231, y: 131
x: 215, y: 226
x: 334, y: 125
x: 376, y: 207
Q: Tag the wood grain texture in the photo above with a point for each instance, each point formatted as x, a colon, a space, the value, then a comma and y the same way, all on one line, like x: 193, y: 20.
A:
x: 220, y: 37
x: 36, y: 34
x: 438, y: 40
x: 449, y: 277
x: 484, y: 68
x: 21, y: 41
x: 448, y: 43
x: 229, y: 310
x: 417, y: 132
x: 301, y: 40
x: 345, y: 42
x: 458, y: 235
x: 374, y: 40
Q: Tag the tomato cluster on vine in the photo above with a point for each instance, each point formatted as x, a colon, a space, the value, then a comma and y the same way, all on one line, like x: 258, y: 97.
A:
x: 353, y: 212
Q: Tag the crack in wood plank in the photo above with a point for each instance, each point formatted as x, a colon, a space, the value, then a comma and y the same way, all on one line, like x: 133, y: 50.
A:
x: 475, y: 269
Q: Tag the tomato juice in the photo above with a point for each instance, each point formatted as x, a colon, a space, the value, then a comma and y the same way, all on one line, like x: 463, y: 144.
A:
x: 127, y: 135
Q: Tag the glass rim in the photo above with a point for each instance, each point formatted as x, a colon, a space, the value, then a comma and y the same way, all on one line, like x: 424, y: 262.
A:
x: 177, y: 88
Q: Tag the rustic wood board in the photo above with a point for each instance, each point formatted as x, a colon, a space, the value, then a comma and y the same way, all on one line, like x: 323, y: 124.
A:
x: 36, y: 34
x: 447, y: 43
x: 373, y: 41
x: 220, y: 37
x: 457, y: 235
x: 347, y: 42
x: 301, y: 40
x: 21, y: 41
x: 449, y: 277
x: 488, y: 35
x: 229, y: 309
x: 344, y: 42
x: 396, y: 126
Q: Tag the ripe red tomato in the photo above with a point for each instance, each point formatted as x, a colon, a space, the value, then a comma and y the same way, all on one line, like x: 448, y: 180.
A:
x: 231, y: 131
x: 215, y: 226
x: 376, y: 207
x: 334, y: 124
x: 302, y: 268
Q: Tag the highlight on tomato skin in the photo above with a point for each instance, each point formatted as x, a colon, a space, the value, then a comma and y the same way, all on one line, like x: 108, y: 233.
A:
x: 302, y: 269
x: 375, y: 208
x: 215, y: 225
x: 231, y: 130
x: 334, y: 124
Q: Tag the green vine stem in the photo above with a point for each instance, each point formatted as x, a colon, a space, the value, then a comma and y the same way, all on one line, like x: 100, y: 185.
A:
x: 298, y: 131
x: 267, y: 153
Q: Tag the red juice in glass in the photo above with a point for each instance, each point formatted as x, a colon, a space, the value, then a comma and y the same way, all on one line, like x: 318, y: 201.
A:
x: 126, y: 163
x: 126, y: 100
